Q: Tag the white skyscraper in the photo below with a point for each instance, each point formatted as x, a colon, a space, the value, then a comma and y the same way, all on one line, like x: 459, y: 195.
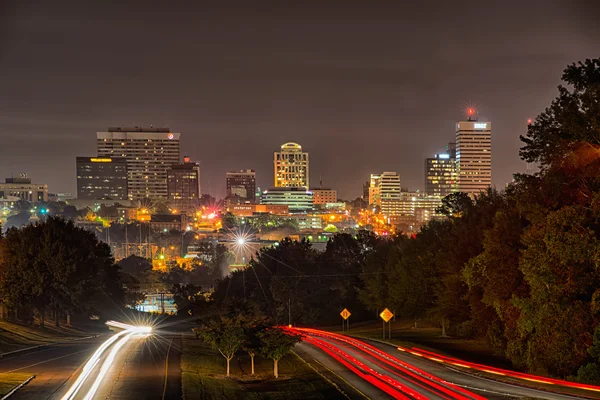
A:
x: 474, y: 155
x: 150, y: 153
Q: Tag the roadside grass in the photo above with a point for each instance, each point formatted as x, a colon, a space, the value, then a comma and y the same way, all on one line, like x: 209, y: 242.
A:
x: 428, y: 337
x: 15, y: 336
x: 203, y: 377
x: 8, y: 381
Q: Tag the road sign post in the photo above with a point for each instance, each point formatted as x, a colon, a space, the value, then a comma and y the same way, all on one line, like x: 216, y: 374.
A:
x: 345, y: 315
x: 386, y: 315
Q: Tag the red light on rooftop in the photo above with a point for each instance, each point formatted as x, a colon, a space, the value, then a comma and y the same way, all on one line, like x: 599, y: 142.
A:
x: 529, y: 121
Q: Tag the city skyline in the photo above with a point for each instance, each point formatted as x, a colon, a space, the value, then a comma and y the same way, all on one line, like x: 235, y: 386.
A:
x: 333, y: 90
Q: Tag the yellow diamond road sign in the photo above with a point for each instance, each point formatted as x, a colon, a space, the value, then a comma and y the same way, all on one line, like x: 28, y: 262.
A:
x: 386, y: 315
x: 345, y: 313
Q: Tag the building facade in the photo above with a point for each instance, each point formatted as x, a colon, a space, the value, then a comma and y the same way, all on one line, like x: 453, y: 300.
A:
x: 183, y: 185
x: 291, y: 166
x: 248, y: 210
x: 441, y: 173
x: 22, y: 188
x: 101, y: 178
x: 474, y: 155
x: 374, y: 191
x: 322, y: 196
x: 150, y: 152
x: 241, y: 184
x: 297, y: 199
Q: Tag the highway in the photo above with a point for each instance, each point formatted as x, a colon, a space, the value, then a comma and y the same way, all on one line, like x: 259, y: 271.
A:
x: 380, y: 371
x: 129, y: 364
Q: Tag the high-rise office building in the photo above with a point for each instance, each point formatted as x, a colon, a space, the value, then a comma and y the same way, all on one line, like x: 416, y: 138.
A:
x: 101, y: 178
x: 389, y: 191
x: 474, y: 155
x: 291, y: 166
x: 374, y: 191
x: 183, y: 185
x: 441, y: 173
x: 150, y: 152
x: 242, y: 185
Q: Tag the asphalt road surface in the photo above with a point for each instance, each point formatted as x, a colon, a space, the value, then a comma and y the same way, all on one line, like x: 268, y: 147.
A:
x: 379, y: 371
x: 124, y: 365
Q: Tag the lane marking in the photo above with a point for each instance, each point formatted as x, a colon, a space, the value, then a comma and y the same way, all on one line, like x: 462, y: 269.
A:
x: 166, y: 370
x: 46, y: 361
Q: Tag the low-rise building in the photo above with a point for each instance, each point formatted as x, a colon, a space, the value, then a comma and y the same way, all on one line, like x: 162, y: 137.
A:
x: 22, y: 188
x: 247, y: 210
x: 298, y: 199
x: 168, y: 222
x: 322, y: 196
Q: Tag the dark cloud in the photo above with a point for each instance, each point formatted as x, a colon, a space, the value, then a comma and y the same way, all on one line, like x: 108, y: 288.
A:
x: 364, y: 88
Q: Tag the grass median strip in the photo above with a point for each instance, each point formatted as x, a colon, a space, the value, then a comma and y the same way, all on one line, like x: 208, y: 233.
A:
x: 203, y: 377
x: 10, y: 380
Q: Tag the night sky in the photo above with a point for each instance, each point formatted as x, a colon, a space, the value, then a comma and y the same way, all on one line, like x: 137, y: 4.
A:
x: 363, y: 89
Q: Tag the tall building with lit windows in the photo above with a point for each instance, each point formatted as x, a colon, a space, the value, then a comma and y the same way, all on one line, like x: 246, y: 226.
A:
x: 291, y: 166
x: 441, y: 173
x: 183, y: 185
x: 149, y: 152
x: 474, y: 154
x: 101, y: 178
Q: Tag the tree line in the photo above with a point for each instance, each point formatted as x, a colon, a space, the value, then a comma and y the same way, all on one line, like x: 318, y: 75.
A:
x: 519, y: 267
x: 53, y: 268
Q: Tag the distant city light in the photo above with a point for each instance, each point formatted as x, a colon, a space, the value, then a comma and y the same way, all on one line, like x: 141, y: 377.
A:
x: 443, y: 155
x: 241, y: 241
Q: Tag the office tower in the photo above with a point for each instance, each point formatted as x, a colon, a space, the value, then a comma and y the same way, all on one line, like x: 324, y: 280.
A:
x: 150, y: 152
x: 374, y: 191
x: 474, y: 154
x: 183, y: 185
x: 298, y: 200
x: 441, y: 173
x: 389, y: 191
x: 101, y: 178
x: 242, y: 185
x: 291, y: 166
x: 22, y: 188
x: 365, y: 192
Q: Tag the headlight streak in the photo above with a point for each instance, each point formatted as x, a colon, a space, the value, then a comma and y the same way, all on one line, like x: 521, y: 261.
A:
x: 128, y: 331
x: 107, y: 364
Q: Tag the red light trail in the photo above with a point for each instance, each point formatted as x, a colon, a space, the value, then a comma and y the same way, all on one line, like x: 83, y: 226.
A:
x: 395, y: 377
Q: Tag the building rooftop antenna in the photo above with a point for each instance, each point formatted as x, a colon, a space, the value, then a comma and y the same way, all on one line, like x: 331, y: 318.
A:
x: 472, y: 114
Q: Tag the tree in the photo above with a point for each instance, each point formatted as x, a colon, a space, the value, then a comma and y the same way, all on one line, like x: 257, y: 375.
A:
x: 54, y: 265
x: 253, y: 324
x: 275, y: 343
x: 225, y: 335
x: 570, y: 120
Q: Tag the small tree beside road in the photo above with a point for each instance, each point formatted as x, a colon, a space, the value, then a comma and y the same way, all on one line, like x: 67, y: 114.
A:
x: 275, y: 343
x: 225, y: 335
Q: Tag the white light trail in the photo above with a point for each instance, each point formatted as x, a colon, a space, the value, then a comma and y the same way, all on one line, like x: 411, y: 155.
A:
x: 128, y: 331
x: 107, y: 364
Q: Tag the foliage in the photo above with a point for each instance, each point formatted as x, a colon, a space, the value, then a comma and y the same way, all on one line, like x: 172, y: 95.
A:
x: 225, y: 335
x: 54, y: 265
x: 276, y: 343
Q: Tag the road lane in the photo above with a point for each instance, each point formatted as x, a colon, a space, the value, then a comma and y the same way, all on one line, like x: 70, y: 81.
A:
x: 128, y: 365
x: 417, y: 376
x: 52, y: 366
